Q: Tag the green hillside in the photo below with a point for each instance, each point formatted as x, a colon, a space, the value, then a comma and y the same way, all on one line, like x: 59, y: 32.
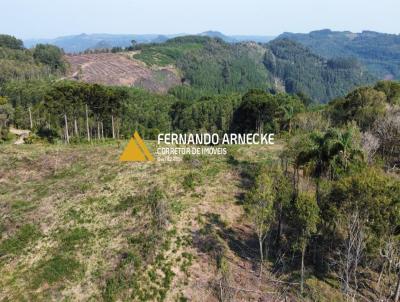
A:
x: 302, y: 71
x: 380, y: 52
x: 211, y: 66
x: 18, y: 63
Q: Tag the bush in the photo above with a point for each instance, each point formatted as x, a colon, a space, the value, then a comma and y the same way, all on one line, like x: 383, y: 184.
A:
x: 189, y: 181
x: 4, y: 134
x: 49, y: 134
x: 11, y: 42
x: 50, y: 55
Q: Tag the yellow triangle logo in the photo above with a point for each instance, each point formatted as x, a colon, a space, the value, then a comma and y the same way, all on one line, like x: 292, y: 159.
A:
x: 136, y: 150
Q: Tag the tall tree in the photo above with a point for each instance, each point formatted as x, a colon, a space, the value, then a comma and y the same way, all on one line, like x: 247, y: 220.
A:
x: 305, y: 219
x: 261, y: 199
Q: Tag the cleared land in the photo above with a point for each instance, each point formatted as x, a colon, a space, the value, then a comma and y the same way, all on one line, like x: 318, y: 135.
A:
x: 121, y: 70
x: 78, y: 225
x: 75, y: 226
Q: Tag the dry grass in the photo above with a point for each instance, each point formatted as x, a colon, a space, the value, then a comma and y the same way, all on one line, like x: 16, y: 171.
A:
x: 89, y: 238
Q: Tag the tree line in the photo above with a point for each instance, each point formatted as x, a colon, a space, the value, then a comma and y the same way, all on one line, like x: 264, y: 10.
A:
x: 76, y: 111
x: 330, y: 207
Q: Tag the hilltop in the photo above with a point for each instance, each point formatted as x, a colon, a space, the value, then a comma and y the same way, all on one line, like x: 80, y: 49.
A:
x: 82, y: 42
x: 211, y: 65
x: 193, y: 66
x: 379, y: 52
x: 190, y: 66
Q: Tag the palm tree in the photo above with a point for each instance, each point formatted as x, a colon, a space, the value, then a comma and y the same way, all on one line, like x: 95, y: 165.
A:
x: 316, y: 155
x: 344, y: 145
x: 288, y: 113
x: 327, y: 149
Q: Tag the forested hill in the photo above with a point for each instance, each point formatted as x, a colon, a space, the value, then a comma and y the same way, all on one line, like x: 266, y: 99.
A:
x: 300, y: 70
x: 19, y: 63
x: 191, y: 67
x: 380, y: 52
x: 212, y: 66
x: 82, y: 42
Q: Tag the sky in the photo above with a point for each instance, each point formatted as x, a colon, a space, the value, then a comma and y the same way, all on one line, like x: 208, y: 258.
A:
x: 53, y: 18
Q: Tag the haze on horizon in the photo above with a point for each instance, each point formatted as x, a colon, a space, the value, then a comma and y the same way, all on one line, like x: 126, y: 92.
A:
x: 48, y: 19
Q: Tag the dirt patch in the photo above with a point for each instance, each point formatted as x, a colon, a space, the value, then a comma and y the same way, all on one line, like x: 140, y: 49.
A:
x: 121, y: 70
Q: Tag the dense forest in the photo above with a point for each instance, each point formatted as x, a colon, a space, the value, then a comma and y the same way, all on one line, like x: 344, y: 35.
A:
x: 380, y: 52
x: 212, y: 66
x: 302, y: 71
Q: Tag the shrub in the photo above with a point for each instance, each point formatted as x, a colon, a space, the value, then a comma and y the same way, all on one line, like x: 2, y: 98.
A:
x: 49, y: 134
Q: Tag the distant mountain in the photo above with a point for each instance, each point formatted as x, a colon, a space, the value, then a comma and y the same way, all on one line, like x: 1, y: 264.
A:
x: 237, y: 38
x: 258, y: 39
x: 217, y: 34
x: 380, y: 52
x: 79, y: 43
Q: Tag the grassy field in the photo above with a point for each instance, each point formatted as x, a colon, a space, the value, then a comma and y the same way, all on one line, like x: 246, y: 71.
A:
x: 77, y: 224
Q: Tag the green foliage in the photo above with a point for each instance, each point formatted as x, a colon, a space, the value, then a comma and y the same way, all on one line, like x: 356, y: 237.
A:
x: 21, y: 239
x: 48, y: 134
x: 391, y: 90
x: 256, y: 112
x: 305, y: 218
x: 349, y: 193
x: 18, y: 63
x: 260, y: 201
x: 10, y: 42
x: 57, y: 268
x: 6, y: 115
x: 71, y: 238
x: 187, y: 93
x: 209, y: 65
x: 330, y: 153
x: 189, y: 181
x: 363, y: 105
x: 50, y: 55
x: 166, y: 53
x: 378, y: 51
x: 219, y: 67
x: 264, y: 112
x: 375, y: 196
x: 213, y: 114
x: 302, y: 71
x: 212, y: 66
x: 146, y: 112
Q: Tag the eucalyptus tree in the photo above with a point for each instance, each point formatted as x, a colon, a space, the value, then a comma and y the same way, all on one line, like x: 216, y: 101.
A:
x: 260, y: 205
x: 305, y: 217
